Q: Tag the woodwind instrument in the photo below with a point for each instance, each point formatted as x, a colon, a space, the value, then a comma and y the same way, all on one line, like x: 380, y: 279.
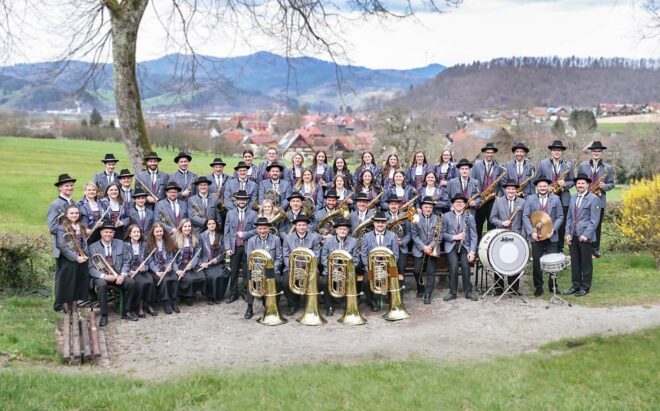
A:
x: 141, y: 266
x: 144, y: 186
x: 168, y: 267
x: 214, y: 261
x: 595, y: 188
x: 519, y: 190
x: 100, y: 222
x: 189, y: 265
x: 491, y: 191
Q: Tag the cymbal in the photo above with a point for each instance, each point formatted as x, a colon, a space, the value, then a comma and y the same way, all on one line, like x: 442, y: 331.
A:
x: 542, y: 224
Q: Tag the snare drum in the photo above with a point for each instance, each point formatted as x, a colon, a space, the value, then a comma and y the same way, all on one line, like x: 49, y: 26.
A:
x: 554, y: 263
x: 503, y: 251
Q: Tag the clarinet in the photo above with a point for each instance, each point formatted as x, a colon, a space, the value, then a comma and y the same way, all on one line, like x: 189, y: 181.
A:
x: 464, y: 232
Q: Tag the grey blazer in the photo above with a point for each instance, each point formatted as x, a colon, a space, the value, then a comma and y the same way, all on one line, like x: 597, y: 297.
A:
x: 285, y: 225
x: 500, y: 212
x: 101, y: 181
x: 68, y: 253
x: 585, y: 220
x: 272, y: 244
x: 555, y: 211
x: 450, y: 228
x: 163, y: 208
x: 332, y: 244
x: 56, y: 208
x: 145, y: 225
x: 422, y: 234
x: 158, y: 188
x: 407, y: 231
x: 214, y: 186
x: 441, y: 197
x: 120, y: 261
x: 284, y: 190
x: 354, y: 218
x: 585, y: 167
x: 528, y: 171
x: 546, y: 168
x: 454, y: 187
x: 369, y: 243
x: 231, y: 227
x: 292, y: 241
x: 233, y: 185
x: 184, y: 181
x: 479, y: 174
x: 199, y: 214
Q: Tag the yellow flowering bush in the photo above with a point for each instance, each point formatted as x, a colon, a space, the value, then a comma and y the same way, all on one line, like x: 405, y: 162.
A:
x: 640, y: 215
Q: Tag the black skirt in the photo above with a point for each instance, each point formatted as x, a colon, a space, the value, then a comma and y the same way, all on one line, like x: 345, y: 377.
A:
x: 217, y: 277
x: 71, y: 281
x: 190, y: 283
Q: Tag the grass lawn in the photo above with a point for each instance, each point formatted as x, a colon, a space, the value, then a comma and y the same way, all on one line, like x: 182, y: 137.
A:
x: 591, y: 373
x: 620, y: 127
x: 27, y: 328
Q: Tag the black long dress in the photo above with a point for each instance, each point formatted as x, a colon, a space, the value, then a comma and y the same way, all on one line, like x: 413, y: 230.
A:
x: 146, y: 289
x: 217, y: 275
x: 192, y: 281
x: 71, y: 278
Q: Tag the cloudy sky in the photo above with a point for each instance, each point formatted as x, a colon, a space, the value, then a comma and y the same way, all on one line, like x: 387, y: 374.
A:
x: 476, y: 30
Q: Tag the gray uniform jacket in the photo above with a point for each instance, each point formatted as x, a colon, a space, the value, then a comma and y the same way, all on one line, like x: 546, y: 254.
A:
x: 332, y: 243
x: 54, y: 210
x: 354, y: 218
x: 120, y: 261
x: 585, y: 167
x: 285, y: 225
x: 585, y: 220
x: 546, y: 168
x: 369, y: 243
x: 158, y: 187
x: 70, y: 253
x: 231, y: 227
x: 233, y: 185
x: 284, y: 189
x: 164, y: 214
x: 272, y: 244
x: 146, y: 223
x: 439, y: 194
x: 554, y: 210
x: 450, y: 227
x: 293, y: 241
x: 500, y: 212
x: 454, y: 186
x: 184, y: 180
x: 407, y: 231
x: 223, y: 179
x: 528, y: 170
x: 101, y: 181
x: 479, y: 174
x: 200, y: 213
x: 207, y: 251
x: 423, y: 234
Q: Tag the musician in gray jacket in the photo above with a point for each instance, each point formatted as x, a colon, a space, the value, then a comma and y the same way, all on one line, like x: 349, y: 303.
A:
x: 276, y: 183
x: 270, y: 243
x: 183, y: 177
x: 108, y: 175
x: 140, y: 214
x: 465, y: 185
x: 239, y: 227
x: 520, y: 169
x: 402, y: 230
x: 295, y: 208
x: 486, y: 172
x: 507, y: 213
x: 218, y: 179
x: 550, y: 204
x: 153, y: 179
x: 339, y: 241
x: 602, y: 176
x: 426, y: 238
x: 459, y: 235
x: 379, y: 237
x: 202, y: 206
x: 112, y: 250
x: 581, y: 224
x: 170, y: 211
x: 240, y: 183
x: 55, y: 213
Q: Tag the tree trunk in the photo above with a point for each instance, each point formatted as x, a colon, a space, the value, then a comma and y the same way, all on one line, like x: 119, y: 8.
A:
x: 125, y: 24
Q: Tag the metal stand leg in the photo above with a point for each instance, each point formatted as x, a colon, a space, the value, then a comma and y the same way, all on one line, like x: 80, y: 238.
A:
x: 509, y: 290
x: 555, y: 299
x: 485, y: 273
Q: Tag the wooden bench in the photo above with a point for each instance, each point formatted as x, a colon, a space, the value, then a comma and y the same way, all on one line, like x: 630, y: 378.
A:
x: 80, y: 337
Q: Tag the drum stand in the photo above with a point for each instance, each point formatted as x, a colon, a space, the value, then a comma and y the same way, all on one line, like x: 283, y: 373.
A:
x: 508, y: 290
x: 556, y: 298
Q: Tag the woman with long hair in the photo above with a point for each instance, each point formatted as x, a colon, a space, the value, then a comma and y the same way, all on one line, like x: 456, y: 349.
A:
x: 367, y: 185
x: 190, y: 281
x: 309, y: 189
x: 320, y: 167
x: 340, y: 168
x: 212, y: 262
x: 439, y: 194
x: 91, y: 211
x: 391, y: 165
x: 367, y: 163
x: 417, y: 170
x: 136, y: 249
x: 119, y: 212
x: 72, y: 276
x: 345, y: 195
x: 293, y: 173
x: 446, y: 169
x: 161, y: 267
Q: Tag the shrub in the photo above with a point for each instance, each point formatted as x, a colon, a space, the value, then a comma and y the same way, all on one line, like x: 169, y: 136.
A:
x: 640, y: 209
x: 25, y: 263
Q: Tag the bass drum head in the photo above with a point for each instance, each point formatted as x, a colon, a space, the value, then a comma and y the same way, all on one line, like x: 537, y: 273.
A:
x: 506, y: 251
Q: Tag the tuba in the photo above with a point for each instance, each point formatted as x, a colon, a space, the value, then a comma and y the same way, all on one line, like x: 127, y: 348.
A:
x: 302, y: 281
x: 384, y: 279
x: 261, y: 283
x: 341, y: 283
x: 325, y: 225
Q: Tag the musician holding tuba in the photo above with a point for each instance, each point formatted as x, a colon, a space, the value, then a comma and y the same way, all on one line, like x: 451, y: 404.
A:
x: 203, y: 205
x: 270, y: 243
x: 339, y: 241
x: 71, y: 278
x: 300, y: 237
x: 562, y: 174
x: 543, y: 231
x: 507, y: 213
x: 108, y: 265
x: 602, y: 181
x: 426, y: 241
x: 399, y: 224
x: 459, y: 234
x: 379, y: 237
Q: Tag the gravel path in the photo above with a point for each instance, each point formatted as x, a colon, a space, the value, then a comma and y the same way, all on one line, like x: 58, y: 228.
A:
x: 217, y: 337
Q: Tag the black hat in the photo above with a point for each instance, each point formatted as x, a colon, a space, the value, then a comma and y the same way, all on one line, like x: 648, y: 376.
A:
x: 392, y: 198
x: 182, y: 155
x: 202, y: 180
x: 489, y: 146
x: 109, y: 158
x: 125, y: 173
x: 463, y: 162
x: 597, y: 145
x: 172, y: 186
x: 262, y: 221
x: 511, y: 183
x: 361, y: 197
x: 241, y: 164
x: 331, y: 193
x: 459, y: 196
x: 557, y: 144
x: 428, y: 200
x: 152, y: 156
x: 275, y: 164
x: 218, y: 162
x: 520, y: 146
x: 541, y: 178
x: 139, y: 192
x: 64, y: 178
x: 295, y: 194
x: 582, y: 176
x: 301, y: 218
x: 341, y: 222
x: 380, y: 216
x: 241, y: 194
x: 107, y: 226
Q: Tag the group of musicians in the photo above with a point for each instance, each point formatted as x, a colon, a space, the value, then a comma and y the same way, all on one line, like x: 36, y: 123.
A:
x: 159, y: 239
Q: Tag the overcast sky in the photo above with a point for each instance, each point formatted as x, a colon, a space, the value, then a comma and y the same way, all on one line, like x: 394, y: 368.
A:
x: 477, y: 30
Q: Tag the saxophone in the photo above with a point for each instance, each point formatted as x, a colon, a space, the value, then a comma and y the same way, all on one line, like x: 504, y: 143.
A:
x: 555, y: 188
x: 595, y: 189
x: 490, y: 192
x: 519, y: 191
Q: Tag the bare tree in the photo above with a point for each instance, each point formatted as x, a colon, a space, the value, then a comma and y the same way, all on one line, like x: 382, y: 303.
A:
x: 302, y: 26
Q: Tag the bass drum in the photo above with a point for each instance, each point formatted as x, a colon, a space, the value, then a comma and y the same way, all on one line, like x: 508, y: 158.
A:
x: 503, y: 251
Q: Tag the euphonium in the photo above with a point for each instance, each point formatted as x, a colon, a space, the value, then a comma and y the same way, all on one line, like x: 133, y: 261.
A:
x: 325, y: 225
x: 281, y: 215
x: 302, y: 281
x: 101, y: 264
x: 395, y: 224
x: 383, y: 279
x: 261, y: 283
x: 341, y: 283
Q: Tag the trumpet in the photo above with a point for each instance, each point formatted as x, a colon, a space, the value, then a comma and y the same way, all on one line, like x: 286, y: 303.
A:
x: 72, y: 243
x: 341, y: 283
x: 168, y: 267
x: 100, y: 263
x: 261, y: 283
x: 383, y: 279
x: 144, y: 186
x: 302, y: 281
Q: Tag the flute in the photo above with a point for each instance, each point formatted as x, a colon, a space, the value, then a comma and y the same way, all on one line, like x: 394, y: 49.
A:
x: 188, y: 266
x: 141, y: 266
x: 168, y: 267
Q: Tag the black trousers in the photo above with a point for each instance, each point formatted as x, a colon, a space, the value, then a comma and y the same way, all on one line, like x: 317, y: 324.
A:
x: 168, y: 290
x: 511, y: 279
x: 539, y: 249
x: 238, y: 262
x: 401, y: 266
x: 482, y: 216
x: 581, y: 263
x: 562, y: 231
x: 455, y: 258
x: 596, y: 244
x: 145, y: 287
x: 294, y: 299
x: 129, y: 288
x: 429, y: 275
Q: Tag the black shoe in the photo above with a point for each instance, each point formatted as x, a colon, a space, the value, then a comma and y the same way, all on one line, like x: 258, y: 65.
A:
x: 142, y: 315
x: 189, y: 301
x: 571, y: 291
x: 248, y: 313
x: 538, y: 293
x: 471, y: 296
x: 375, y: 307
x: 449, y: 297
x: 167, y: 307
x: 582, y: 293
x: 232, y: 299
x: 291, y: 310
x: 175, y: 308
x: 104, y: 320
x: 210, y: 301
x: 427, y: 299
x: 151, y: 311
x: 498, y: 292
x: 597, y: 253
x: 420, y: 293
x: 129, y: 316
x: 330, y: 312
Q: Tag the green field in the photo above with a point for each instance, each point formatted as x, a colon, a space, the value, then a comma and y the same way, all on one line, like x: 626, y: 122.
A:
x: 621, y: 127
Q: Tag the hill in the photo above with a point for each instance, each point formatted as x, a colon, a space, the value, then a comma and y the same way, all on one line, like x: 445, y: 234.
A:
x: 528, y: 81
